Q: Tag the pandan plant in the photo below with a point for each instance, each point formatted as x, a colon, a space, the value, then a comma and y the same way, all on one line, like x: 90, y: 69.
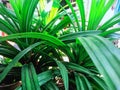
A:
x: 44, y: 36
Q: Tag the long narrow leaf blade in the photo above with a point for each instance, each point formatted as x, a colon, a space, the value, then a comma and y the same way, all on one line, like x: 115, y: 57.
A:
x: 73, y: 12
x: 82, y: 12
x: 105, y: 57
x: 16, y: 59
x: 34, y: 77
x: 26, y: 82
x: 64, y: 74
x: 44, y: 77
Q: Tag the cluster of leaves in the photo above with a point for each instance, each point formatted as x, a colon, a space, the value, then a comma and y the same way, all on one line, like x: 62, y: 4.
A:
x: 41, y: 42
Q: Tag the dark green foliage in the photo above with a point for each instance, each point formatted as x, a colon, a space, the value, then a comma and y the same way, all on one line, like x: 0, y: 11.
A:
x: 45, y: 37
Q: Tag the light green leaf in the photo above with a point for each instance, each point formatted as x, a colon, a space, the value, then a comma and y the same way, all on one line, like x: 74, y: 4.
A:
x: 105, y: 56
x: 82, y: 12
